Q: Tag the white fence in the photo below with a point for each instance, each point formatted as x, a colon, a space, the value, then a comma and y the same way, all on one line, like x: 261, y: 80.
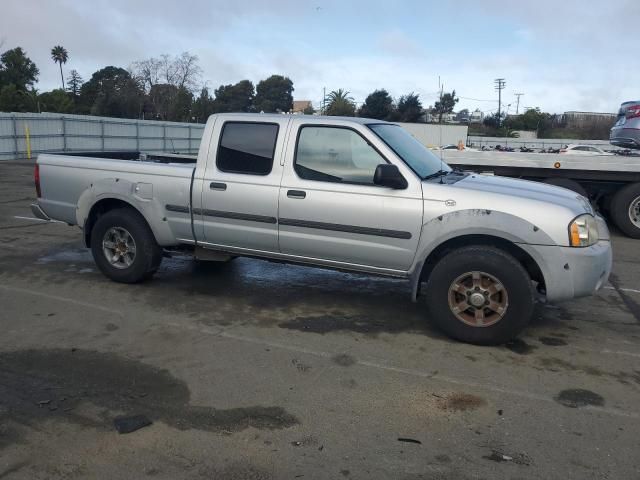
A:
x: 74, y: 133
x: 50, y: 132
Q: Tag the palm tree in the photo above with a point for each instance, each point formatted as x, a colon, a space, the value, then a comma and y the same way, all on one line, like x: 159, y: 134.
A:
x: 339, y: 102
x: 60, y: 55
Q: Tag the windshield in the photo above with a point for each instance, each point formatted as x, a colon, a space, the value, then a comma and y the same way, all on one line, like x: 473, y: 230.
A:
x: 418, y: 157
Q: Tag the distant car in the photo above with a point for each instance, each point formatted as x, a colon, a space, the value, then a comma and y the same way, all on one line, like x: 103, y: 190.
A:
x: 626, y: 131
x: 583, y: 150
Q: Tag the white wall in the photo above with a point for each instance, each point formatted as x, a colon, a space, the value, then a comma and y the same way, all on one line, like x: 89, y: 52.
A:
x: 433, y: 135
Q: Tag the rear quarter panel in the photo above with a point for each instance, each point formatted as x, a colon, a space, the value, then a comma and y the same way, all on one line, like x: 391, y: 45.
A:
x: 71, y: 186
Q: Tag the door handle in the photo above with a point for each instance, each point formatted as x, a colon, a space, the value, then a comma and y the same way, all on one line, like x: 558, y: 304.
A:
x: 217, y: 186
x: 296, y: 194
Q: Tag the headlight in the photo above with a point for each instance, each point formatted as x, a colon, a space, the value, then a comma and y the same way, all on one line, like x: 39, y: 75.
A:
x: 583, y: 231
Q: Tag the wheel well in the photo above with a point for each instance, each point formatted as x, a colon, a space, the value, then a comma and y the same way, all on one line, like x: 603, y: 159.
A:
x: 519, y: 254
x: 99, y: 209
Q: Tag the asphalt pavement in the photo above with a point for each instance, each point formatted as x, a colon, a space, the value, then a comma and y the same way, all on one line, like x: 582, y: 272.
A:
x: 256, y: 370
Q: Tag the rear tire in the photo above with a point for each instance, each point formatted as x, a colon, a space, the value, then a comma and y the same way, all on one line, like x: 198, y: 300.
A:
x: 461, y: 279
x: 568, y: 184
x: 124, y: 247
x: 625, y: 210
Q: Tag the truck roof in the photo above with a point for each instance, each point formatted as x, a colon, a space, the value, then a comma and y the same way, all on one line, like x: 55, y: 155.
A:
x: 267, y: 116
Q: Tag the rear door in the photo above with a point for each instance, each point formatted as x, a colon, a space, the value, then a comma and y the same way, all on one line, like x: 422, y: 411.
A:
x: 331, y: 211
x: 241, y: 183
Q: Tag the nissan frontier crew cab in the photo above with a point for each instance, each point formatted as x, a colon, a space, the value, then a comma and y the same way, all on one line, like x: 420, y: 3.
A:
x: 347, y: 193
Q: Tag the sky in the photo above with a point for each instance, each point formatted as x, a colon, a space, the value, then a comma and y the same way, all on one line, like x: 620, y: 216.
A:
x: 562, y: 54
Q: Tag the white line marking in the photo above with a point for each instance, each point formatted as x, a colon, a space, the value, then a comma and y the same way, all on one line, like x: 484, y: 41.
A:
x: 406, y: 371
x: 36, y: 219
x: 633, y: 290
x: 619, y: 352
x: 61, y: 299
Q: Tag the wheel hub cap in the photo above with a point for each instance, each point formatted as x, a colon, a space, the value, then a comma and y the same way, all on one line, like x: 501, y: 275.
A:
x: 119, y: 247
x: 478, y: 299
x: 634, y: 212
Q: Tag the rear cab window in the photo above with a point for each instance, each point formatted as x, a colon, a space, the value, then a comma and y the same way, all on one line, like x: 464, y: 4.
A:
x: 247, y: 147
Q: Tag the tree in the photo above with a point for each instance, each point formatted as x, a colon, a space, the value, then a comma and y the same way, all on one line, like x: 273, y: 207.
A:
x: 203, y: 106
x: 409, y: 108
x: 57, y: 101
x: 234, y: 98
x: 12, y: 99
x: 181, y: 71
x: 339, y: 103
x: 17, y: 69
x: 378, y: 105
x: 446, y: 104
x: 162, y: 97
x: 74, y: 82
x: 309, y: 110
x: 463, y: 115
x: 111, y: 91
x: 60, y: 55
x: 274, y: 94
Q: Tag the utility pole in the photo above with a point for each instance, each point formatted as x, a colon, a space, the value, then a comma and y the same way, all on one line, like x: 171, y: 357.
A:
x: 499, y: 86
x: 518, y: 95
x: 324, y: 99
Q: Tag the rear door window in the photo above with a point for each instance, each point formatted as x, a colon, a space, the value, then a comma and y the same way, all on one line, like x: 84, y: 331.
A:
x: 247, y: 148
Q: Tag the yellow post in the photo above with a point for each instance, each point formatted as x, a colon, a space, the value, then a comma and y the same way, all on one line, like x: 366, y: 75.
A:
x: 27, y: 140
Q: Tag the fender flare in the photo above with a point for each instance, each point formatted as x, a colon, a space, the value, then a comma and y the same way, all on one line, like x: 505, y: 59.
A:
x: 138, y: 195
x: 461, y: 223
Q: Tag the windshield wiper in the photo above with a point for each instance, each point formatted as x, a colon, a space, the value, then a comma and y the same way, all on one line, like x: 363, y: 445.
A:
x: 439, y: 173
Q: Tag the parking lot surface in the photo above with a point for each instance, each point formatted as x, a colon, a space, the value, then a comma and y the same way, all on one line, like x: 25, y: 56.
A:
x: 256, y: 370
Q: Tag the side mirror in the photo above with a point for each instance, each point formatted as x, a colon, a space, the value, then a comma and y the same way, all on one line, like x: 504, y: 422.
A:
x: 388, y: 175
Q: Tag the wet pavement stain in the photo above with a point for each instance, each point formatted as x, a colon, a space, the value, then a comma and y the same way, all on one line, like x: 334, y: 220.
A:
x: 517, y: 458
x: 460, y: 402
x: 344, y: 360
x: 39, y: 385
x: 352, y: 323
x: 519, y: 346
x: 553, y: 341
x: 577, y: 397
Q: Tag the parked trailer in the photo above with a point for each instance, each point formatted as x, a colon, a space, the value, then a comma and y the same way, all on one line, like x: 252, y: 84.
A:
x: 612, y: 183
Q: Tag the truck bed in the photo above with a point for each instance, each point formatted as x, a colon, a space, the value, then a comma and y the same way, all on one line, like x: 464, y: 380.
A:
x: 67, y: 181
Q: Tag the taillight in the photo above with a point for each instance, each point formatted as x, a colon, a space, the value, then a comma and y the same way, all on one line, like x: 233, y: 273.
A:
x: 36, y: 179
x: 633, y: 111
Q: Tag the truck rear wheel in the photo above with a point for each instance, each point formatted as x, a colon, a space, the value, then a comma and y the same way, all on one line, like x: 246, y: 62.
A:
x: 625, y: 210
x: 480, y: 294
x: 123, y: 246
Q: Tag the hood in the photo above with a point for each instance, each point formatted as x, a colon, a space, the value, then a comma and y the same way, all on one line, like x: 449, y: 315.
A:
x: 525, y: 189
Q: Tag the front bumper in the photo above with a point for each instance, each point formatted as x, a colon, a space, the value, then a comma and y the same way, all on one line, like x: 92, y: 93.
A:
x: 573, y: 272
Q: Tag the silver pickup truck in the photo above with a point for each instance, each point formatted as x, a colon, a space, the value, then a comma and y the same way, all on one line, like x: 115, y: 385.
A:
x: 346, y: 193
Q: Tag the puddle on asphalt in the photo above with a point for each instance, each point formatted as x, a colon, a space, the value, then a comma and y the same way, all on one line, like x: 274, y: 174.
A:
x: 39, y: 385
x: 577, y: 397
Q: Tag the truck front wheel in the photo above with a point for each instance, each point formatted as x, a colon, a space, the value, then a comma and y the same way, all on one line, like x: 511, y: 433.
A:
x: 625, y: 210
x: 480, y: 295
x: 123, y: 246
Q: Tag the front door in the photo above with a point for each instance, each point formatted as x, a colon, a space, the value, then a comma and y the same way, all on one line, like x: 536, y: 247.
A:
x: 330, y: 209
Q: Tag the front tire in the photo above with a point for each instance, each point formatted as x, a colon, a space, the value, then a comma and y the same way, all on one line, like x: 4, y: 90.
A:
x: 625, y: 210
x: 123, y: 246
x: 480, y: 295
